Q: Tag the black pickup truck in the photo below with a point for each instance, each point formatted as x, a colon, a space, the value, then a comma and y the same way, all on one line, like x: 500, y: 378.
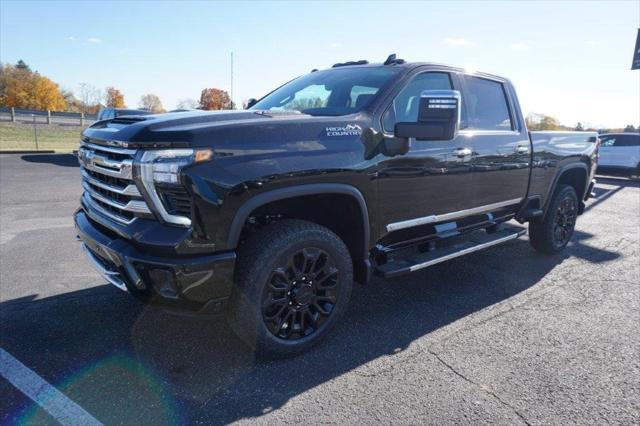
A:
x: 268, y: 215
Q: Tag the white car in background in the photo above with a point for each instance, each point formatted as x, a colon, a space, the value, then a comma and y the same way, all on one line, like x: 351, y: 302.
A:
x: 619, y: 154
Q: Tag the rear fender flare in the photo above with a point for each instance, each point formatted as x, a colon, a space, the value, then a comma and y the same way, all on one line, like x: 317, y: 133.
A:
x: 556, y: 179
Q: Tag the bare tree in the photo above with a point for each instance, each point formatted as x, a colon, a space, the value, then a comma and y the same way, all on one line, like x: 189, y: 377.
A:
x: 90, y: 97
x: 151, y: 102
x: 188, y: 103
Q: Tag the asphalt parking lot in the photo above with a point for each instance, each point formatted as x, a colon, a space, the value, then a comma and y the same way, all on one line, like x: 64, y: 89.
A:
x: 502, y: 336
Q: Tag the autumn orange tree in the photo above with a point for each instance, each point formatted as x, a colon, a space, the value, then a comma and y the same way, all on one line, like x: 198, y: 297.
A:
x: 215, y: 99
x: 114, y: 98
x: 20, y: 87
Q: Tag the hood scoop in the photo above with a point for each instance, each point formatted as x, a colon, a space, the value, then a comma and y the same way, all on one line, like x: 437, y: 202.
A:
x: 128, y: 119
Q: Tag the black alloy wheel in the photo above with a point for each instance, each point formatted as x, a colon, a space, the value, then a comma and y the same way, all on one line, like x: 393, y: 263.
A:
x: 552, y: 233
x: 293, y: 282
x: 565, y: 221
x: 301, y: 295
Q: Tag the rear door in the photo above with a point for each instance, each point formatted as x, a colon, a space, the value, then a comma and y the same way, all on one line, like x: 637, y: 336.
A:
x: 501, y: 146
x: 624, y: 152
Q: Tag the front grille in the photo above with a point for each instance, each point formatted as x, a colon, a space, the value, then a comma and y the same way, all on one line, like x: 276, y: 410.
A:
x: 108, y: 182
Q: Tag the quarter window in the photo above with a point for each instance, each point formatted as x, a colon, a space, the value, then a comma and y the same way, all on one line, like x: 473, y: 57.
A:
x: 405, y: 105
x: 486, y: 105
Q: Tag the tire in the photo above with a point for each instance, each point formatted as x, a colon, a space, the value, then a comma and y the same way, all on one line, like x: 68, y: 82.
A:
x: 302, y: 263
x: 552, y: 234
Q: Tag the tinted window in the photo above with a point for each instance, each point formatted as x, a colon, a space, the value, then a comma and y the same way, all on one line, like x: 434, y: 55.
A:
x: 330, y: 92
x: 628, y: 140
x: 405, y: 105
x: 486, y: 105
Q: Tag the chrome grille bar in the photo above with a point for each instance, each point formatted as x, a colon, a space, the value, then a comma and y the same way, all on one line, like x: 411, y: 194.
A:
x: 130, y: 190
x: 96, y: 163
x: 133, y: 206
x: 86, y: 198
x: 111, y: 149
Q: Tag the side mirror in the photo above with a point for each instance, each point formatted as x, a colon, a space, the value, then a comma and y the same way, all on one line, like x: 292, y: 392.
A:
x: 438, y: 117
x: 251, y: 102
x: 376, y: 143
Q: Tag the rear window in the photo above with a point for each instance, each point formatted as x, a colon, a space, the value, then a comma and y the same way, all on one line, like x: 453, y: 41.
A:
x: 486, y: 105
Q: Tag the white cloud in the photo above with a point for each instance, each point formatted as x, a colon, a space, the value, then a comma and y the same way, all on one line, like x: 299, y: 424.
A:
x: 520, y: 45
x: 94, y: 40
x: 334, y: 45
x: 71, y: 38
x: 457, y: 41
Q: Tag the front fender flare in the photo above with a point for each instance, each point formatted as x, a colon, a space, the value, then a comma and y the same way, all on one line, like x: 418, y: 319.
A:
x: 296, y: 191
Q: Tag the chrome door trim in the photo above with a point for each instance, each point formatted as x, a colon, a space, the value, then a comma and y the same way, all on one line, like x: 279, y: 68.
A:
x: 450, y: 216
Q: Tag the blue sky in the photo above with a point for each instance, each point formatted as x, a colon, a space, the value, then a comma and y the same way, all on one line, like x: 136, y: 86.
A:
x: 571, y: 60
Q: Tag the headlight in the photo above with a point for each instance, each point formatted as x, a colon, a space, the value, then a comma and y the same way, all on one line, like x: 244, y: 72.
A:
x: 163, y: 167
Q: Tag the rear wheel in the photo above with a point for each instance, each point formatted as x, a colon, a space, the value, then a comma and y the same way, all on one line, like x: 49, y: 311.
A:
x: 293, y: 283
x: 552, y: 234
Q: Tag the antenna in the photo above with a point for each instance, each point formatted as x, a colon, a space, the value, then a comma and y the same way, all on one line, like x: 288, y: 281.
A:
x: 231, y: 91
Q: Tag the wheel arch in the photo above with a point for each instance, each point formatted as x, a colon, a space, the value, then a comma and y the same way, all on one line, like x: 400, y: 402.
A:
x: 297, y: 191
x: 575, y: 174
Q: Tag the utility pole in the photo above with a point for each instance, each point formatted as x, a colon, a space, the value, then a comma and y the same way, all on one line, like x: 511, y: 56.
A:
x: 231, y: 91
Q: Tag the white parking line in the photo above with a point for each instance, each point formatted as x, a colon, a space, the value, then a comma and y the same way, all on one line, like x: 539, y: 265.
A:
x: 42, y: 393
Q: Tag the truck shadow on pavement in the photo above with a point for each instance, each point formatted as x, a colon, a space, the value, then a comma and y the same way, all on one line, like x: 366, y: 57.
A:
x: 63, y: 160
x: 104, y: 350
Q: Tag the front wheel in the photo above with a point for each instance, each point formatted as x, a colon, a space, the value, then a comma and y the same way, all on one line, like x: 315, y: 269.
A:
x: 552, y: 234
x: 293, y: 283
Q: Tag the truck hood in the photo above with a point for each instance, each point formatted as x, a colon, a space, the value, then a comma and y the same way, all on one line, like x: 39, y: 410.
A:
x: 219, y: 128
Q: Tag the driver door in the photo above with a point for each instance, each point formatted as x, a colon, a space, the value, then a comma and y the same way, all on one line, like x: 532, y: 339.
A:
x: 433, y: 178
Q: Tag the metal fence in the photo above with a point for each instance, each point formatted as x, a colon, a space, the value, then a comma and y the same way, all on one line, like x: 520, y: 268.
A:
x: 18, y: 115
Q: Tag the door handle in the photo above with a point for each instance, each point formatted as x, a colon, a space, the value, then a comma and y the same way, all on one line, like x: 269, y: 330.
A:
x: 462, y: 152
x: 522, y: 149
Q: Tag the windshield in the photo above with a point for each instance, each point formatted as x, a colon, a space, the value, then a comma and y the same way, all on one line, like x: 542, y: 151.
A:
x: 330, y: 92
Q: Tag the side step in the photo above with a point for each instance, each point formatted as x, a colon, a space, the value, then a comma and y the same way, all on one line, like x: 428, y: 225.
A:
x: 475, y: 242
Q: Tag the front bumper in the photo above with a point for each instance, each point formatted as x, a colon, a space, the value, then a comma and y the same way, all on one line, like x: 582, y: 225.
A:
x: 199, y: 284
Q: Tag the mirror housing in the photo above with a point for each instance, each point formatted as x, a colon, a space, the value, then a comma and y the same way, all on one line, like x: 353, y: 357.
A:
x: 438, y: 117
x: 377, y: 143
x: 251, y: 102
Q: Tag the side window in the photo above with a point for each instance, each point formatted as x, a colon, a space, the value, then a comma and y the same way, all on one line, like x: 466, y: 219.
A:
x: 629, y: 140
x: 607, y: 141
x: 405, y: 105
x: 486, y: 105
